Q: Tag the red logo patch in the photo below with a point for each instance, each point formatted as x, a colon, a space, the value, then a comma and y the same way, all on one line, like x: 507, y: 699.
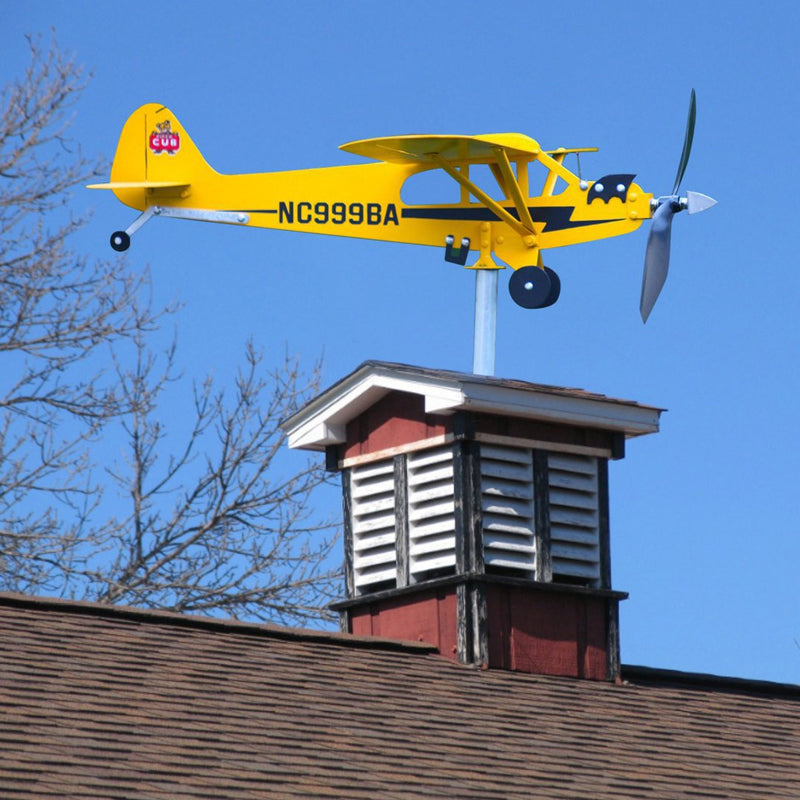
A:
x: 165, y: 140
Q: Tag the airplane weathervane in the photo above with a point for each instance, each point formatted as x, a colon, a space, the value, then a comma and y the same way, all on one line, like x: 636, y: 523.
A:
x: 159, y: 171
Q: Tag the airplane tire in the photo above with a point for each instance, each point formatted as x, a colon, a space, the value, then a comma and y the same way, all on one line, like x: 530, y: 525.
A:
x: 555, y: 287
x: 531, y: 287
x: 120, y: 241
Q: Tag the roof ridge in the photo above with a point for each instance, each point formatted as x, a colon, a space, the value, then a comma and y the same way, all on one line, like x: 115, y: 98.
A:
x: 632, y: 673
x: 178, y: 619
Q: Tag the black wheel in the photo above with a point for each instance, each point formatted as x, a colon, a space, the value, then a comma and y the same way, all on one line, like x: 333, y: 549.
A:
x: 555, y: 287
x: 120, y: 241
x: 530, y: 287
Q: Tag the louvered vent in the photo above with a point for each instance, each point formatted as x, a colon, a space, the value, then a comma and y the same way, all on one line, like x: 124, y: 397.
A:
x: 373, y: 526
x: 574, y: 518
x: 508, y: 508
x: 431, y: 513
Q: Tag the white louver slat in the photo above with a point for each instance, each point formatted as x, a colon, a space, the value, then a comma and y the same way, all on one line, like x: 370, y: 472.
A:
x: 431, y: 512
x: 373, y: 525
x: 508, y: 508
x: 574, y: 517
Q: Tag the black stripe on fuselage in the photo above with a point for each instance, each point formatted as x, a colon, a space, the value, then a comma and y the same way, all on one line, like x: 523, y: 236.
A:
x: 555, y: 218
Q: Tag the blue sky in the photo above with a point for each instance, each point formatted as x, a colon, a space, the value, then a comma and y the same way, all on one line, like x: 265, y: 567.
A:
x: 705, y: 520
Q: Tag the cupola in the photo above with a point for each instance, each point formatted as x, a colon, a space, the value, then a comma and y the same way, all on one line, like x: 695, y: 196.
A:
x: 476, y: 513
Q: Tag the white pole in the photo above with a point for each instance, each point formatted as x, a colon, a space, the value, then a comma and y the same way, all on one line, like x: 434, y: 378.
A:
x: 485, y: 321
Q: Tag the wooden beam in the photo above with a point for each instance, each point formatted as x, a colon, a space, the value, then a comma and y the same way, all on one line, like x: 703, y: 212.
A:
x: 541, y: 504
x: 604, y: 531
x: 347, y: 525
x: 401, y: 519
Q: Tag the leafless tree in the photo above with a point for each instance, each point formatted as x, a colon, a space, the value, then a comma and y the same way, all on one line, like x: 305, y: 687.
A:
x: 213, y: 523
x: 206, y: 530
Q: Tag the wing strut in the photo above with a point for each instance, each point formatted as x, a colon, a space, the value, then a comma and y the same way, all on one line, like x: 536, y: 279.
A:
x: 513, y: 188
x: 527, y: 234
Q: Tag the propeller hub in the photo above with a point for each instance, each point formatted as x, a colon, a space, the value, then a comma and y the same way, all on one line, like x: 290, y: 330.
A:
x: 676, y: 203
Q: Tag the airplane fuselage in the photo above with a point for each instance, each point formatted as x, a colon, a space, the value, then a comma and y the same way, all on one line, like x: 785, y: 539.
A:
x: 364, y: 201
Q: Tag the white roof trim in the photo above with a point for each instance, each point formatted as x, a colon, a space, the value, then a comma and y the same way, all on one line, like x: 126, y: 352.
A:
x: 595, y: 412
x: 323, y: 421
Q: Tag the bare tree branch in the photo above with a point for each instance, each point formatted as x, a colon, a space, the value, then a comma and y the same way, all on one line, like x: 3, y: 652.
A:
x: 210, y: 523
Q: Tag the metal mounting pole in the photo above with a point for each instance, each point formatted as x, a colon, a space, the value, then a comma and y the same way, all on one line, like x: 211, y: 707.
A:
x: 485, y: 321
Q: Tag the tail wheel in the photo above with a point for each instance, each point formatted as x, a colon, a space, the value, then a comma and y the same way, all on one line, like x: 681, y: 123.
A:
x: 120, y: 241
x: 534, y: 287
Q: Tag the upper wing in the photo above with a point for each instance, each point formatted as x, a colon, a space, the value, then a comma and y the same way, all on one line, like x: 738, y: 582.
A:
x: 400, y: 149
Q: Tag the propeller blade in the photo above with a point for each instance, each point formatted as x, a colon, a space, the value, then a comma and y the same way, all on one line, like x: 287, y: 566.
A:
x: 687, y: 142
x: 656, y: 258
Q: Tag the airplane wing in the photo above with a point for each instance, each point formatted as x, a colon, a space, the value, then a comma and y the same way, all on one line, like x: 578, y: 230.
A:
x: 483, y: 149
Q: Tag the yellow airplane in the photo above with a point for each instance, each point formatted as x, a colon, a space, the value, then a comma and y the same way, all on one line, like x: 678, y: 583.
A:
x: 537, y: 203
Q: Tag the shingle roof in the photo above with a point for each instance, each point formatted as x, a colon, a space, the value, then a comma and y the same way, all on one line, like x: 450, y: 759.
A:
x: 97, y: 702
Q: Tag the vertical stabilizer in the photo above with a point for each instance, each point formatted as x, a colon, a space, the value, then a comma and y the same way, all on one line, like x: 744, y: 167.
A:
x: 154, y: 152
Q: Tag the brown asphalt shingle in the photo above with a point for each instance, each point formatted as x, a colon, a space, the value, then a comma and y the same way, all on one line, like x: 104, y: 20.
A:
x: 103, y: 703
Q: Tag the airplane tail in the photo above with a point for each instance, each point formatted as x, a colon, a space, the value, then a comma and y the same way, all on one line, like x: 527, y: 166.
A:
x: 155, y: 156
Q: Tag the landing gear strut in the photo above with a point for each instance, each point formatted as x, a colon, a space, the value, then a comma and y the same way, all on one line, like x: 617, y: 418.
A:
x: 534, y: 287
x: 121, y: 240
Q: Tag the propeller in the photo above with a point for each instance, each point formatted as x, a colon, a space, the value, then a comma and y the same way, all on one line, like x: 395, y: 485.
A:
x: 656, y: 259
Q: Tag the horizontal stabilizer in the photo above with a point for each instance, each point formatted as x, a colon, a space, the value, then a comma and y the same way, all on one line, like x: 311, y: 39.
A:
x: 141, y: 185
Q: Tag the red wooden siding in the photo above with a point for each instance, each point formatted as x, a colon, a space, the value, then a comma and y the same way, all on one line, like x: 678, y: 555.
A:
x: 530, y: 630
x: 547, y: 633
x: 428, y: 616
x: 399, y: 418
x: 395, y: 420
x: 518, y: 428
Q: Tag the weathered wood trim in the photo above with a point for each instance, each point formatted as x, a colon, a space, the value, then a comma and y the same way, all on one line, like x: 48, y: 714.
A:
x: 468, y: 514
x: 332, y: 458
x: 345, y: 621
x: 473, y: 524
x: 390, y: 452
x: 604, y: 527
x: 541, y: 512
x: 612, y: 641
x: 455, y: 580
x: 464, y: 639
x: 480, y: 624
x: 461, y: 503
x: 475, y: 506
x: 463, y: 425
x: 541, y: 444
x: 401, y: 519
x: 347, y: 533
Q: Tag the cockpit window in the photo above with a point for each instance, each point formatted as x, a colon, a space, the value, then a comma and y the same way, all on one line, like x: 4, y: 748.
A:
x: 436, y: 187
